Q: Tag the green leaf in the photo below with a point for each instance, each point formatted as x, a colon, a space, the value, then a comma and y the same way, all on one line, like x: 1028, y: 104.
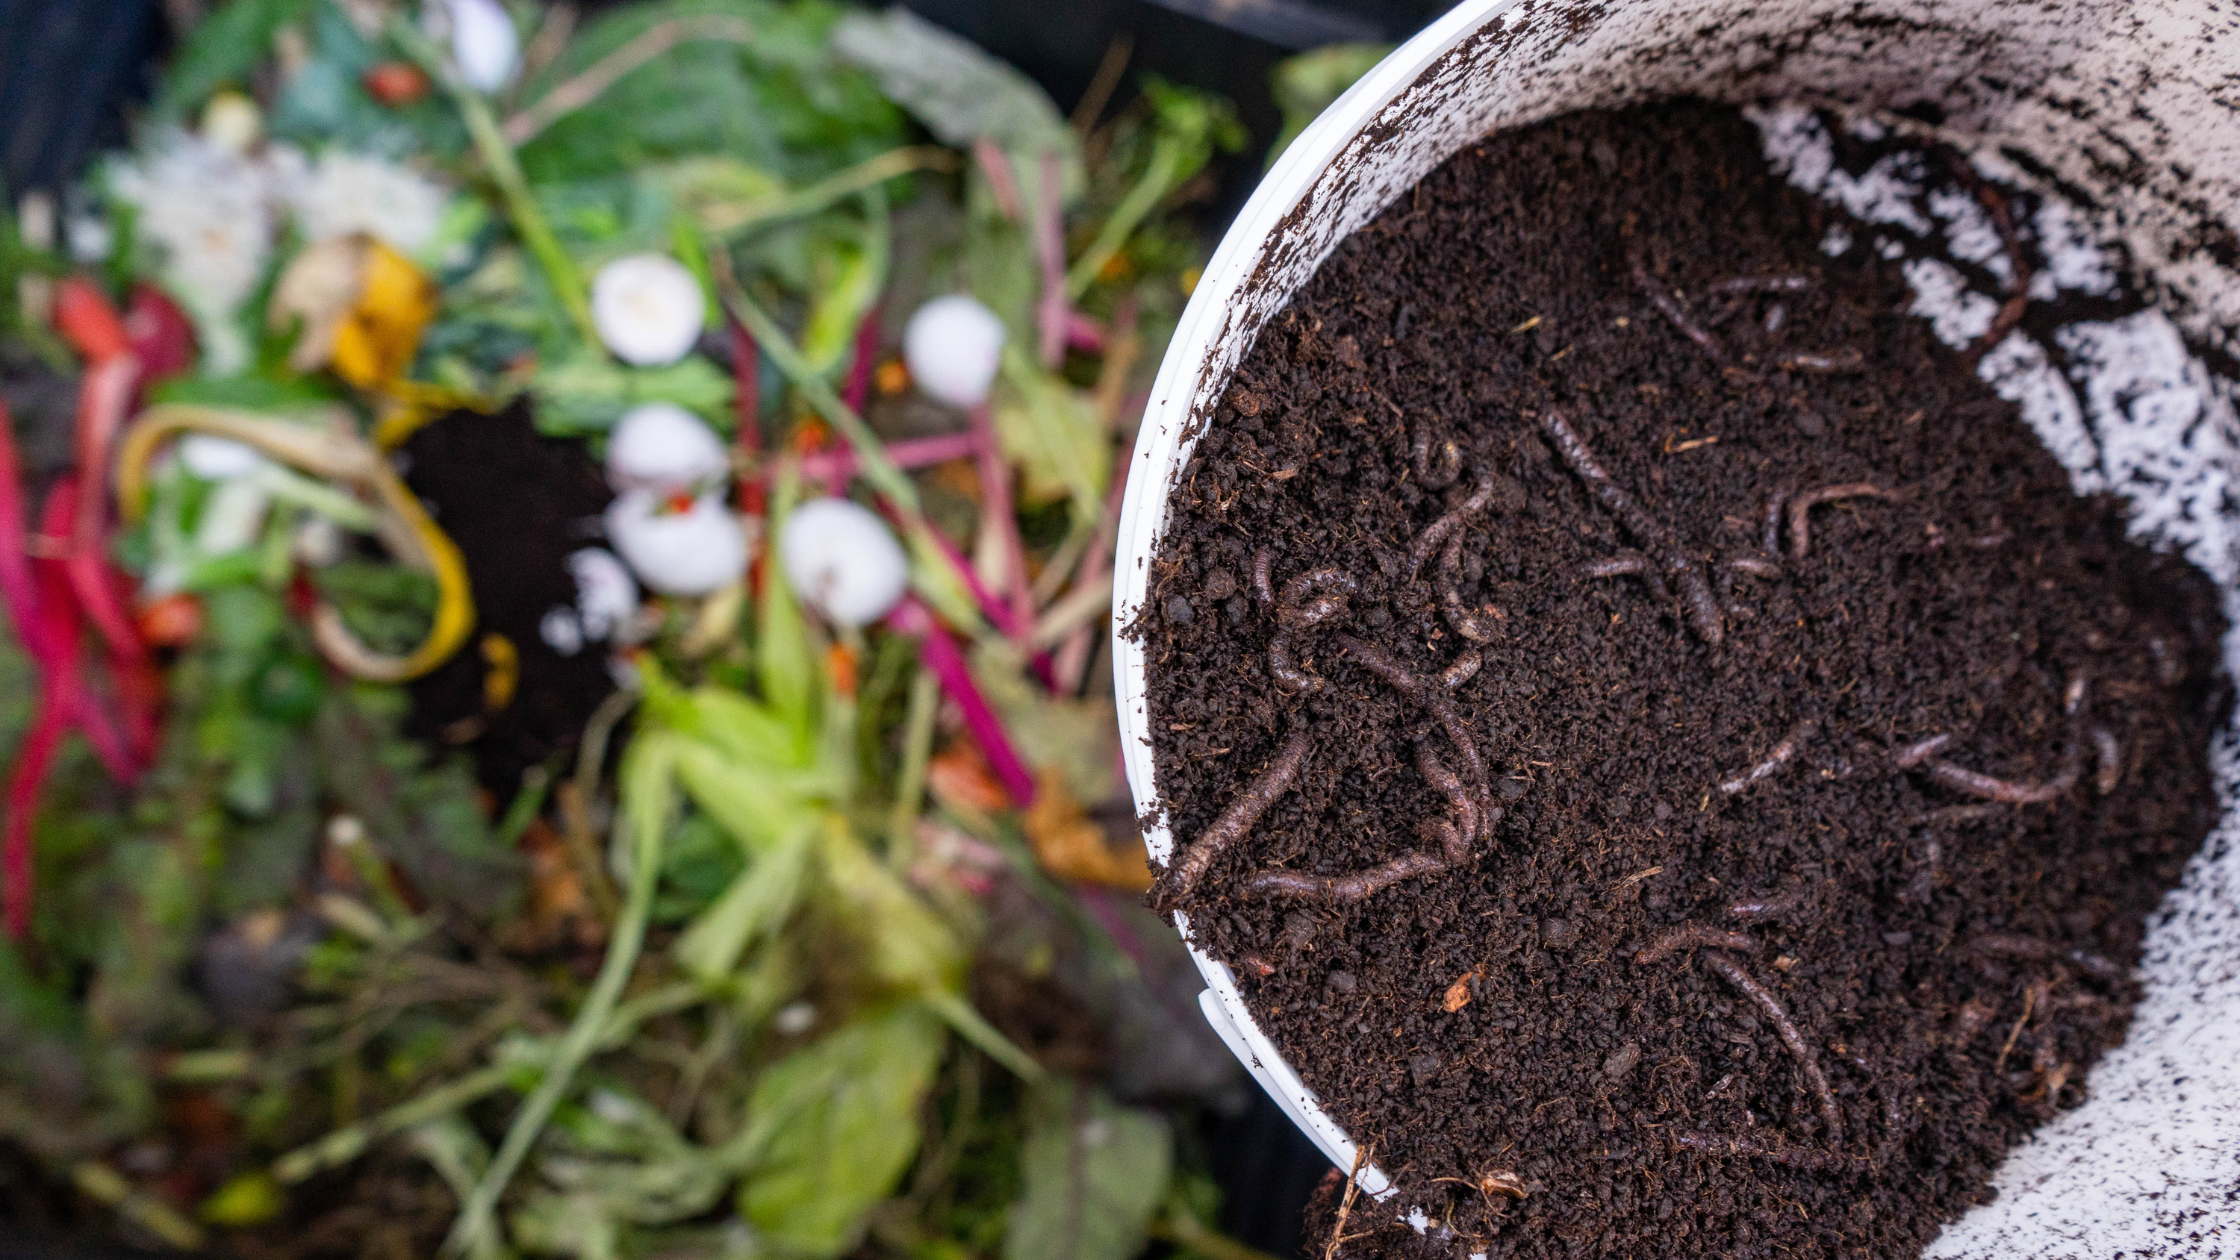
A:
x: 587, y: 392
x: 960, y: 92
x: 1095, y: 1172
x: 756, y: 905
x: 783, y: 665
x: 835, y: 1126
x: 1051, y: 430
x: 854, y: 275
x: 905, y: 944
x: 223, y: 49
x: 750, y: 732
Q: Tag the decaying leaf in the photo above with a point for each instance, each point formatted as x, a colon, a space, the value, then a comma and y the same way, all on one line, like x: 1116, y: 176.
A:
x: 1073, y: 847
x: 1095, y: 1172
x: 362, y: 307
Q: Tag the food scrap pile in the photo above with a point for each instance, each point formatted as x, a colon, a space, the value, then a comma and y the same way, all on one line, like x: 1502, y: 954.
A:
x: 556, y: 578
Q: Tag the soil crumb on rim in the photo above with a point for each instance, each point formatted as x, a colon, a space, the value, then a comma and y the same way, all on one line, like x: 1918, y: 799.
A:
x: 1670, y: 761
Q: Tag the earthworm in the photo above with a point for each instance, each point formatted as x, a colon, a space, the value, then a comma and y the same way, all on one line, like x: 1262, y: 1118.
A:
x: 1263, y: 586
x: 1342, y: 889
x: 1675, y: 312
x: 1691, y: 936
x: 2018, y: 284
x: 1312, y: 598
x: 1437, y: 531
x: 1283, y: 665
x: 2111, y: 760
x: 1764, y: 907
x: 1755, y: 566
x: 1800, y: 524
x: 1914, y: 754
x: 1763, y: 284
x: 1466, y: 829
x: 1808, y: 1062
x: 1893, y: 1108
x: 1839, y: 363
x: 1703, y: 609
x: 1770, y: 542
x: 2073, y: 694
x: 1446, y: 471
x: 1465, y: 668
x: 1472, y: 624
x: 1810, y: 1159
x: 1242, y: 813
x: 2005, y: 791
x: 1776, y: 316
x: 1435, y: 701
x: 1778, y: 758
x: 1627, y: 563
x: 2031, y: 949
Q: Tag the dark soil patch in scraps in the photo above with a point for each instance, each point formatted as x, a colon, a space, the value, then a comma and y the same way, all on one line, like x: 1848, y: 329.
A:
x: 1689, y: 923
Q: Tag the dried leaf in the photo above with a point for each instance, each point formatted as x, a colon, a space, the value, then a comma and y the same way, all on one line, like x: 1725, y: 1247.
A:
x: 1070, y: 846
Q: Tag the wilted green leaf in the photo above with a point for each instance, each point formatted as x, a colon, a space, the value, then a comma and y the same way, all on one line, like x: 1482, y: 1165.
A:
x: 854, y: 275
x: 757, y: 904
x: 957, y: 90
x: 1095, y: 1173
x: 835, y: 1126
x: 588, y: 393
x: 1051, y: 431
x: 905, y: 944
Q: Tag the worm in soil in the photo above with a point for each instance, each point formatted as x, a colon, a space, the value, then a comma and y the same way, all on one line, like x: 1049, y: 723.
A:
x: 1763, y: 284
x: 1378, y: 662
x: 1838, y: 363
x: 1691, y: 936
x: 1914, y: 754
x: 1778, y: 758
x: 1807, y: 1061
x: 2005, y: 791
x: 1770, y: 541
x: 1435, y: 475
x: 1800, y: 507
x: 1459, y: 798
x: 1810, y: 1159
x: 2031, y: 949
x: 2111, y: 760
x: 1674, y: 312
x: 1995, y: 204
x: 1342, y: 889
x: 1752, y: 908
x: 1478, y: 625
x: 1465, y: 668
x: 1242, y: 813
x: 1307, y: 601
x: 1895, y: 1126
x: 1703, y: 609
x: 1437, y: 532
x: 1631, y: 564
x: 1263, y: 584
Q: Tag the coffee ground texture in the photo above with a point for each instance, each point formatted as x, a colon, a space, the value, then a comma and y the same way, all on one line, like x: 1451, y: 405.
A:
x: 1671, y: 762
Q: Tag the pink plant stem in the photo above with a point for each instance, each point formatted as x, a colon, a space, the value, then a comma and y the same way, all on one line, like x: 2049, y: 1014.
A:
x: 746, y: 442
x: 1003, y: 185
x: 940, y: 655
x: 16, y: 583
x: 1086, y: 334
x: 995, y: 500
x: 924, y: 452
x: 858, y: 389
x: 57, y: 606
x: 1050, y: 251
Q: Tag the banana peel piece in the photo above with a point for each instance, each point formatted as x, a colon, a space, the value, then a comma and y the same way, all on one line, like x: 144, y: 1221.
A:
x: 403, y: 526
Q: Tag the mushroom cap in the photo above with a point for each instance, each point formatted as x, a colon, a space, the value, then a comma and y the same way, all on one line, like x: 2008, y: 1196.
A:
x: 484, y: 44
x: 842, y: 560
x: 648, y: 308
x: 692, y: 552
x: 661, y: 446
x: 215, y: 458
x: 953, y: 346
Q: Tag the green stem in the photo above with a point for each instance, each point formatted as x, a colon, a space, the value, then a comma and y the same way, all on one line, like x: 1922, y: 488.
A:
x: 1157, y: 181
x: 863, y: 176
x: 476, y: 1216
x: 346, y: 1144
x: 917, y: 751
x: 505, y: 171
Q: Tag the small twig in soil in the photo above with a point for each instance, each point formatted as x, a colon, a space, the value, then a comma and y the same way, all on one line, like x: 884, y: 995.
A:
x: 2031, y: 949
x: 1834, y: 363
x: 1763, y: 284
x: 1807, y: 1061
x: 1674, y: 311
x: 1764, y: 907
x: 1778, y: 758
x: 1343, y: 889
x: 2111, y: 760
x: 1703, y: 609
x: 2030, y: 998
x: 1692, y: 936
x: 1810, y: 1159
x: 1800, y: 508
x: 1345, y: 1206
x: 1242, y: 813
x: 1422, y: 452
x: 1914, y: 754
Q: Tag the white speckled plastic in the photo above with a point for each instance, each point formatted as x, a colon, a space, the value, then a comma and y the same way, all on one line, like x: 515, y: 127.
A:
x: 2132, y: 105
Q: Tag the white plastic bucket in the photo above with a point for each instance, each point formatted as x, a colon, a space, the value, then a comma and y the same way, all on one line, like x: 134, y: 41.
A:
x: 2133, y: 105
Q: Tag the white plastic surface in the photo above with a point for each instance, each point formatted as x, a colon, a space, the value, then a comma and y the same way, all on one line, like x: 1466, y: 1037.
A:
x: 2130, y: 105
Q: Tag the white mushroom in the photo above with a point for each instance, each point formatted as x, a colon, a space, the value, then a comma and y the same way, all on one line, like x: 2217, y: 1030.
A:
x: 953, y: 345
x: 606, y: 595
x: 843, y: 560
x: 689, y: 548
x: 661, y: 446
x: 648, y: 308
x: 484, y: 44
